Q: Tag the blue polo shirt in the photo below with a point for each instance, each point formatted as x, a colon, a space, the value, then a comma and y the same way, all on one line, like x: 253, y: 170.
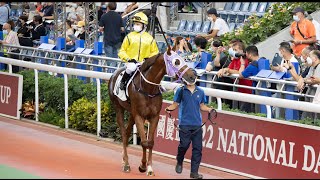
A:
x: 251, y: 70
x: 189, y: 105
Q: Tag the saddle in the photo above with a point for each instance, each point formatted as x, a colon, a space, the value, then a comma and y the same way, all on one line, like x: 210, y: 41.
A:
x: 123, y: 94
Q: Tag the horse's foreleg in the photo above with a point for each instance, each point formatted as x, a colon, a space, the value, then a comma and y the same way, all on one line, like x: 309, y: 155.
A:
x: 152, y: 128
x: 140, y: 127
x: 120, y: 121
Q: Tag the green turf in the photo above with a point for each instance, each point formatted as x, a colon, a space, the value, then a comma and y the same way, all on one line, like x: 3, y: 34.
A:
x: 7, y: 172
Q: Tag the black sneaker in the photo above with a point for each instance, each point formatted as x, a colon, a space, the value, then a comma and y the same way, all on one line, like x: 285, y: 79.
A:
x: 196, y: 176
x: 179, y: 168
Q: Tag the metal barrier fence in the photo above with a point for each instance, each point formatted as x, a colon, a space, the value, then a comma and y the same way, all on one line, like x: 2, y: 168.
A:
x: 268, y: 101
x: 107, y: 64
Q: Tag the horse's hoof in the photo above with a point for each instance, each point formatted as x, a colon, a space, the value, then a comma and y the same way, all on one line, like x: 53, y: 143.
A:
x: 150, y: 171
x: 142, y: 170
x: 126, y: 168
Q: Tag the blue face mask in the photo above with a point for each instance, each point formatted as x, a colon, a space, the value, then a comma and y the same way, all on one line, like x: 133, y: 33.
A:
x: 4, y: 32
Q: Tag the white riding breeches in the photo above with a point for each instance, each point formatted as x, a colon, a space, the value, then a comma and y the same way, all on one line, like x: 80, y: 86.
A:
x: 131, y: 67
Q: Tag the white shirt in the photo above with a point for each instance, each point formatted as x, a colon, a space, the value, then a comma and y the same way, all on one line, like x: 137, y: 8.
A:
x: 121, y: 6
x: 12, y: 38
x: 222, y: 26
x: 317, y: 27
x: 292, y: 60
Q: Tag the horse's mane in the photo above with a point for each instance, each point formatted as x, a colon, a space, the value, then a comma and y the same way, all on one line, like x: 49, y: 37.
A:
x: 149, y: 62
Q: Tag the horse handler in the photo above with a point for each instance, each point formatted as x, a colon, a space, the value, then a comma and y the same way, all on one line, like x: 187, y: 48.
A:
x: 190, y: 99
x: 136, y: 46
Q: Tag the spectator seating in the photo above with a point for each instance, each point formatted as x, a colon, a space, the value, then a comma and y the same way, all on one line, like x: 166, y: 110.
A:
x: 234, y: 13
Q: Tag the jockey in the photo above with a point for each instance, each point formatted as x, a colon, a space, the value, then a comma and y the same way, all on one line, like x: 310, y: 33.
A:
x: 136, y: 46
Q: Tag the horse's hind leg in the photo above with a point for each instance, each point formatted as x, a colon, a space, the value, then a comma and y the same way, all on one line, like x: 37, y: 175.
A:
x: 129, y: 127
x: 120, y: 121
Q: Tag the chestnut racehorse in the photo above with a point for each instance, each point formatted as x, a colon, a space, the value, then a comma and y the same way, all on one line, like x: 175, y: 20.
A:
x: 145, y: 101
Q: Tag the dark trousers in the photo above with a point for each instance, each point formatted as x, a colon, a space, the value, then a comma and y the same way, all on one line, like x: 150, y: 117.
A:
x: 186, y: 137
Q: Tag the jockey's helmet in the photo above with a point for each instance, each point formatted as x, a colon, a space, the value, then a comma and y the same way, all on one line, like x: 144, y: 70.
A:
x: 140, y: 17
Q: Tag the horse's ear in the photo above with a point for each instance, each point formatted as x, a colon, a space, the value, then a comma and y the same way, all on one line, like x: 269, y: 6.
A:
x: 169, y: 50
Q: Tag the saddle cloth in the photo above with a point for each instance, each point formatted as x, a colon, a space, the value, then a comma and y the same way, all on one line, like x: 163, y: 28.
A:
x: 122, y: 94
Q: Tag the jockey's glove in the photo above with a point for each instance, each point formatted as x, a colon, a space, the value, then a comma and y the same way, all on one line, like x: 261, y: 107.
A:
x: 133, y: 60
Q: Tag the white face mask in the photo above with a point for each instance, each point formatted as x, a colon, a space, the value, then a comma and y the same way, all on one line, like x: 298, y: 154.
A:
x: 210, y: 19
x: 80, y: 29
x: 4, y: 32
x: 280, y: 54
x: 137, y: 28
x: 296, y: 18
x: 231, y: 52
x: 309, y: 61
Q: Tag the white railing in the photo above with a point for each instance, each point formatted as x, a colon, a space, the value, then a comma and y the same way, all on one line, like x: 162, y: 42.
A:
x: 268, y: 101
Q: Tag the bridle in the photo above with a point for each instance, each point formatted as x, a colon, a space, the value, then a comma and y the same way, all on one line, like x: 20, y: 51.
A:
x: 171, y: 70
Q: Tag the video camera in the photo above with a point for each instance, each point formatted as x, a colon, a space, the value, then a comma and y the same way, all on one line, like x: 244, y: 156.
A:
x: 238, y: 55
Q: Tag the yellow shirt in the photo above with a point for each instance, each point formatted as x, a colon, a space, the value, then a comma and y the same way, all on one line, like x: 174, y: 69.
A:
x: 138, y: 46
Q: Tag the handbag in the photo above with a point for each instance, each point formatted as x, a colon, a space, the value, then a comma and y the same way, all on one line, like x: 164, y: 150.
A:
x: 315, y: 45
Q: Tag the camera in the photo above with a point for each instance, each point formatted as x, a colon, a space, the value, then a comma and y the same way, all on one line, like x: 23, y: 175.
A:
x: 238, y: 55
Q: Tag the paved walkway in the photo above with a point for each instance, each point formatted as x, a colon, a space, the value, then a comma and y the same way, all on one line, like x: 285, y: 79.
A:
x: 30, y: 150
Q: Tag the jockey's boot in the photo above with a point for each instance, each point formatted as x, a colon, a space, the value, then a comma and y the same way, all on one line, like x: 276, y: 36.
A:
x: 124, y: 80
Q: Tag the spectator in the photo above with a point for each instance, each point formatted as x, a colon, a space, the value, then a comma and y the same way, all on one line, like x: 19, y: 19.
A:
x: 4, y: 13
x: 311, y: 78
x: 201, y: 44
x: 37, y: 29
x: 11, y: 39
x: 69, y: 31
x: 285, y: 52
x: 317, y: 28
x: 252, y: 55
x: 220, y: 61
x: 80, y: 33
x: 24, y: 33
x: 112, y: 25
x: 220, y: 26
x: 234, y: 67
x: 47, y: 11
x: 38, y: 7
x: 102, y: 10
x: 302, y: 31
x: 180, y: 46
x: 305, y: 60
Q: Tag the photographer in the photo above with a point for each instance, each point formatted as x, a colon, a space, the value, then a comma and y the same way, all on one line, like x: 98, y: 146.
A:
x: 239, y: 60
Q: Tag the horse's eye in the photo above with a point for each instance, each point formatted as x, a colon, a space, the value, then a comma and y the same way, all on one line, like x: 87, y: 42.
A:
x: 176, y: 62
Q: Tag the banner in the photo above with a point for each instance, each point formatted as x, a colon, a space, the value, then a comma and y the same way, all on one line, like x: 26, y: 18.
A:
x: 10, y: 94
x: 257, y: 147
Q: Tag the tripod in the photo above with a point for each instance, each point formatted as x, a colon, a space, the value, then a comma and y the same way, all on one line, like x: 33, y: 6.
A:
x: 154, y: 19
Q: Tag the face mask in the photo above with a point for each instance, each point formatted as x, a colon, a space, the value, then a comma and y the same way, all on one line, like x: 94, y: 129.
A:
x: 296, y: 18
x: 75, y: 5
x: 137, y: 28
x: 231, y: 52
x: 309, y: 61
x: 210, y: 19
x: 4, y: 32
x: 190, y: 83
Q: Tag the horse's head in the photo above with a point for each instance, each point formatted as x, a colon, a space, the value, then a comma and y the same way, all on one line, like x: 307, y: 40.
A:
x: 176, y: 66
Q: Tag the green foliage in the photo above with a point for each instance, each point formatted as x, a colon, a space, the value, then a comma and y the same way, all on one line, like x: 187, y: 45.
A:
x: 83, y: 115
x: 168, y: 95
x: 278, y: 17
x: 51, y: 116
